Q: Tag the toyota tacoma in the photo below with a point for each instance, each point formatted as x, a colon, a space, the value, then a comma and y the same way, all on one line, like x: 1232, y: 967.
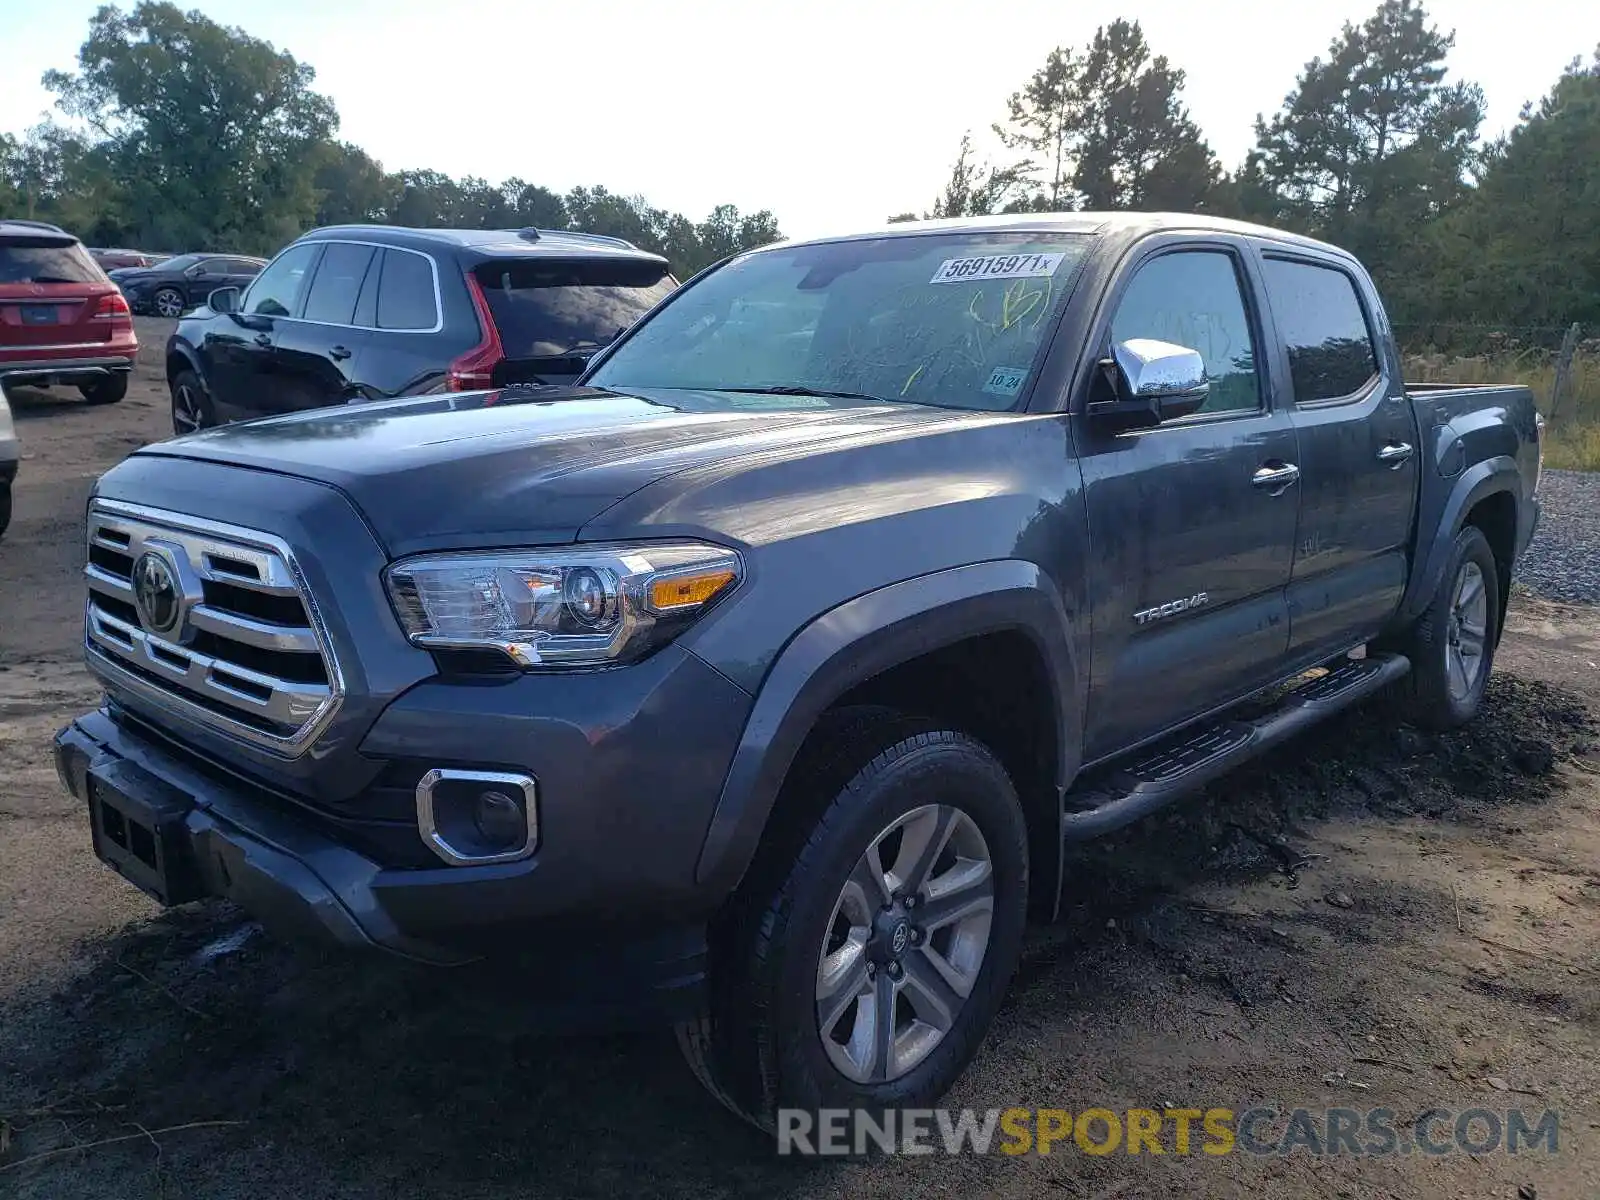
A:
x: 756, y: 681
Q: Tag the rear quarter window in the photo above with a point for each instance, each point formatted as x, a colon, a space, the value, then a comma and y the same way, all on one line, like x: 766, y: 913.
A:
x: 1324, y: 327
x: 46, y: 260
x: 406, y: 297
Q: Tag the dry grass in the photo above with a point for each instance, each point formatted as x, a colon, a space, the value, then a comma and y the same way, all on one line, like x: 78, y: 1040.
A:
x: 1572, y: 439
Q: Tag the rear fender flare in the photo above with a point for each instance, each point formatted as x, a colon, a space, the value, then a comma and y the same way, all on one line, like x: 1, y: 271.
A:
x: 1477, y: 482
x: 863, y: 638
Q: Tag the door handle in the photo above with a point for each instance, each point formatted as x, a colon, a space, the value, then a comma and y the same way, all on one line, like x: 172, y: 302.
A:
x: 338, y: 354
x: 1395, y: 454
x: 1277, y: 479
x: 264, y: 340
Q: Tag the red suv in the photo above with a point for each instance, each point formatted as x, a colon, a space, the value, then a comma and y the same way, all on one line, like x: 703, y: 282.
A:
x: 61, y: 319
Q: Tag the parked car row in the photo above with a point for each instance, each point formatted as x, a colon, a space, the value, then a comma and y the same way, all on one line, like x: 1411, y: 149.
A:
x: 176, y: 285
x: 114, y: 259
x: 346, y: 313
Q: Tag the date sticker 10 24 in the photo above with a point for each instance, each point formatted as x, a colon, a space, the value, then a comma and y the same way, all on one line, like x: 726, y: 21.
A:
x: 996, y: 266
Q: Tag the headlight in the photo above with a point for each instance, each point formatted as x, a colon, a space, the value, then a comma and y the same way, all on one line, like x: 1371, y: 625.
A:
x: 578, y: 606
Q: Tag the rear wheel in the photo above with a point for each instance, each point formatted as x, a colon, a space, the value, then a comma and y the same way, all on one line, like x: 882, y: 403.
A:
x: 168, y: 302
x: 864, y: 956
x: 1451, y: 646
x: 191, y: 404
x: 107, y: 390
x: 5, y: 507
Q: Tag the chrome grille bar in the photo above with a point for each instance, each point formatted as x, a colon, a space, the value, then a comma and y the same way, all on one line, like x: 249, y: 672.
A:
x: 249, y: 655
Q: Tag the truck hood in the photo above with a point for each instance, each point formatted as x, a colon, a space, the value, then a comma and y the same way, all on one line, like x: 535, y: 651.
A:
x: 525, y: 465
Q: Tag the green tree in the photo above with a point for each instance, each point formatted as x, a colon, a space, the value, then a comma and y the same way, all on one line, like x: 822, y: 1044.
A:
x: 533, y: 205
x: 1136, y: 146
x: 1526, y: 248
x: 212, y: 131
x: 976, y: 189
x: 1106, y: 128
x: 1045, y: 121
x: 351, y: 186
x: 1372, y: 146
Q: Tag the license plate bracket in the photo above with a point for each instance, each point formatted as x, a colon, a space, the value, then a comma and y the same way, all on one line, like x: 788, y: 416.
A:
x: 40, y: 314
x: 138, y: 825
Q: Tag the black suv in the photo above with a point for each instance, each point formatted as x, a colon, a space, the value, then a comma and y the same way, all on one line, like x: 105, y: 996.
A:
x: 367, y: 312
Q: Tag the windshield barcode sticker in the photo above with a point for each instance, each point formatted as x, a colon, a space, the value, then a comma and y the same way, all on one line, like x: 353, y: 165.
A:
x: 1005, y: 381
x: 996, y: 266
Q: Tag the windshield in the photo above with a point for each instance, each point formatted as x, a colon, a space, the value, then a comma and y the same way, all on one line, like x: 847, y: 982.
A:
x: 46, y: 260
x: 951, y: 319
x: 553, y: 309
x: 181, y: 263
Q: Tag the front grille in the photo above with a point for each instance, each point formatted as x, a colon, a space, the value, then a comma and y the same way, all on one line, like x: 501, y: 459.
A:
x: 246, y: 653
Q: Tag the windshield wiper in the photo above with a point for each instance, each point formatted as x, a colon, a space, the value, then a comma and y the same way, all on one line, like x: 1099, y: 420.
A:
x: 790, y: 389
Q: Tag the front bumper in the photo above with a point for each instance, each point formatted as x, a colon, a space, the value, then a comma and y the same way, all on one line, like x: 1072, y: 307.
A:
x: 180, y: 833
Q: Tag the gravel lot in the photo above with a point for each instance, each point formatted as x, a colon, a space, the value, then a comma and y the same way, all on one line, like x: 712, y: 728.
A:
x: 1369, y: 917
x: 1564, y: 561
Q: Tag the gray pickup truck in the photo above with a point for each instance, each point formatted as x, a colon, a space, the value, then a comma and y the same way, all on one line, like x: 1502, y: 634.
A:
x: 756, y: 682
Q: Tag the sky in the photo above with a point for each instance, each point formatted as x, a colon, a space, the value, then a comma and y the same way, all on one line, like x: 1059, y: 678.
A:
x: 834, y: 114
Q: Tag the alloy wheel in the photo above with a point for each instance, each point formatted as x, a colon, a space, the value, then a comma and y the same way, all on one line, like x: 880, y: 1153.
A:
x: 905, y: 943
x: 169, y: 303
x: 1467, y: 630
x: 187, y: 415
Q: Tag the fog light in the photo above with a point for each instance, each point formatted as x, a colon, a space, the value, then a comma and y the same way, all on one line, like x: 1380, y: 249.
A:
x: 499, y: 822
x: 469, y: 818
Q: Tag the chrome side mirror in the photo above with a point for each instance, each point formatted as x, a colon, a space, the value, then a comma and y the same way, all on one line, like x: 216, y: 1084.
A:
x: 1152, y: 381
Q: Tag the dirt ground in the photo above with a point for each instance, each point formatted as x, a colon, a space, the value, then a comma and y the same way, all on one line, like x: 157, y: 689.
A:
x: 1369, y: 918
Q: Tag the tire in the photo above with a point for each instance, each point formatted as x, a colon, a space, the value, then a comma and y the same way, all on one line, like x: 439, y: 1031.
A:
x: 1445, y: 687
x: 106, y: 391
x: 168, y: 302
x: 5, y: 507
x: 869, y: 778
x: 191, y: 404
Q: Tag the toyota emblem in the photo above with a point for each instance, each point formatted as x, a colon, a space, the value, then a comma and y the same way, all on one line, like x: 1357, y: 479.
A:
x: 155, y: 594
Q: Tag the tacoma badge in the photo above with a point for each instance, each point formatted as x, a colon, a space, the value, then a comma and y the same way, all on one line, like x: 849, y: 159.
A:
x: 1171, y: 608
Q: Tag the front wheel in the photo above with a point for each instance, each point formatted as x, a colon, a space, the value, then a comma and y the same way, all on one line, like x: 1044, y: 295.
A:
x: 1451, y: 646
x: 868, y: 949
x: 191, y: 404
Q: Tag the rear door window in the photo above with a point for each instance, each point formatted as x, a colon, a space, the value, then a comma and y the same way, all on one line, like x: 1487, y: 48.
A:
x: 407, y: 299
x: 332, y: 299
x: 551, y: 309
x: 1322, y: 323
x: 46, y: 260
x: 277, y: 290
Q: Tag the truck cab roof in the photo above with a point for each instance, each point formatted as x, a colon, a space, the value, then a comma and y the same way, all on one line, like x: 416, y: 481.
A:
x: 1127, y: 224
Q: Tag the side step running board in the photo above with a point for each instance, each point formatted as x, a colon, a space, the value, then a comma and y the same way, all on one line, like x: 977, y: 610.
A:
x: 1160, y: 774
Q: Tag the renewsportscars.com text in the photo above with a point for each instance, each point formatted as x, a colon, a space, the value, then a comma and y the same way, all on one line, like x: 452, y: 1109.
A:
x: 1266, y: 1130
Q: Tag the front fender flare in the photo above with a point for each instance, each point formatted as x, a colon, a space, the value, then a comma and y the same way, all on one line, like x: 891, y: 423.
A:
x: 860, y: 639
x: 1477, y: 482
